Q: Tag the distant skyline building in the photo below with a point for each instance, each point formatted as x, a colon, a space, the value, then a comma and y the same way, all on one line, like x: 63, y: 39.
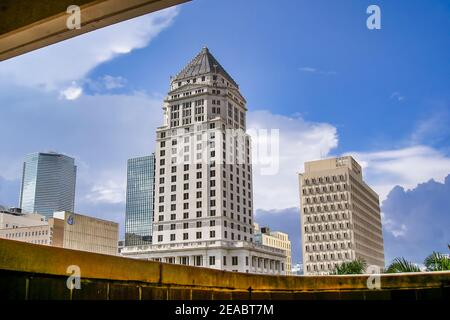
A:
x: 297, y: 269
x: 340, y: 216
x: 140, y: 200
x: 275, y: 239
x: 48, y: 183
x: 203, y: 185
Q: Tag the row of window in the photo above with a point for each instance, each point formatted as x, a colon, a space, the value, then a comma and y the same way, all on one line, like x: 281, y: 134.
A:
x: 199, y: 235
x: 327, y: 226
x: 327, y: 217
x: 326, y: 179
x: 327, y: 236
x: 328, y: 198
x: 326, y: 208
x: 235, y: 261
x: 26, y: 234
x: 199, y: 224
x: 328, y: 246
x: 329, y: 256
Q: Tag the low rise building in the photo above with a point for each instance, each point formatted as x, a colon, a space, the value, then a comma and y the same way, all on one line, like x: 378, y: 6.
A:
x: 275, y: 239
x: 237, y: 256
x: 14, y: 218
x: 70, y: 231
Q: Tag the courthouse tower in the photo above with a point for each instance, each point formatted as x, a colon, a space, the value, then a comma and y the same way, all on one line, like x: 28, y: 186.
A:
x: 203, y: 176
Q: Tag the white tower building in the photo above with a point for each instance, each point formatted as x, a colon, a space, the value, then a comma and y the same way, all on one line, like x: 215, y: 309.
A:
x: 203, y: 177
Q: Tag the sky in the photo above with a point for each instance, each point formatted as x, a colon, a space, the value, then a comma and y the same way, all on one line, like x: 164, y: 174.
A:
x: 311, y: 69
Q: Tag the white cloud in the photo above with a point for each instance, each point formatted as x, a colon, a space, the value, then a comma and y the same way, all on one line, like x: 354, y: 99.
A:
x: 60, y: 64
x: 406, y: 167
x: 111, y: 82
x: 101, y: 132
x: 107, y: 191
x: 71, y: 93
x: 397, y: 96
x: 397, y: 230
x: 432, y: 129
x: 308, y: 69
x: 317, y: 71
x: 300, y: 141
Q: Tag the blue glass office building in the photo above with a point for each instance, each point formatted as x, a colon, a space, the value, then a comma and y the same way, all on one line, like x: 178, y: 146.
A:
x: 48, y: 183
x: 140, y: 198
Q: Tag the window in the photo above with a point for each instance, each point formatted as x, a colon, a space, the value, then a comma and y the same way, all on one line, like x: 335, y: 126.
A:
x: 160, y: 238
x: 185, y: 236
x: 172, y: 237
x: 212, y: 234
x: 234, y: 261
x: 212, y: 260
x: 199, y: 235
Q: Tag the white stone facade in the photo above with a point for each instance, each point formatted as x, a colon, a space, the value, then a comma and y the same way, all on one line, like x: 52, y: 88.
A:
x: 236, y: 256
x: 203, y: 173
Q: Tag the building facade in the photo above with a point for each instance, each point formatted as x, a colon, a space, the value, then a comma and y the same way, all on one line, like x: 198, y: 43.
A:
x: 203, y: 174
x: 275, y: 239
x: 340, y: 216
x: 140, y: 201
x: 48, y: 183
x: 11, y: 218
x: 70, y: 231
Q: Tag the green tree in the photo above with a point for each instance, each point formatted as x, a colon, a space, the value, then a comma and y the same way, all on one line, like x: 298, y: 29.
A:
x: 357, y: 266
x: 400, y: 265
x: 437, y: 262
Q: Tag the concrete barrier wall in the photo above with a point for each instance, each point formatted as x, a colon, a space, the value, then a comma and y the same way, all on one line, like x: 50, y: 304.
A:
x: 29, y: 271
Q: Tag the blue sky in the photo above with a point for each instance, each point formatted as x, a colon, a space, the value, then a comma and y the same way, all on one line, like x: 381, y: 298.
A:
x: 309, y: 68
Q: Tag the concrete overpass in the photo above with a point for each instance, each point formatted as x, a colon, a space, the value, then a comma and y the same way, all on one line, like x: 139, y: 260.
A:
x: 29, y: 25
x: 35, y: 272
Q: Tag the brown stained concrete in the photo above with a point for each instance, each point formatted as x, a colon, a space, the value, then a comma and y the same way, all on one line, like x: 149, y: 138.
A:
x: 113, y: 277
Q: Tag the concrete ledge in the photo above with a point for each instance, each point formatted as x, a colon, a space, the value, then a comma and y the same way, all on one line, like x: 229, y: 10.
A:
x: 39, y: 272
x: 28, y: 25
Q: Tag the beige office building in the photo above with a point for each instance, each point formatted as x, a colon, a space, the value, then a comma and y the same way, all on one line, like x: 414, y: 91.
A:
x: 275, y: 239
x: 340, y: 216
x: 70, y: 231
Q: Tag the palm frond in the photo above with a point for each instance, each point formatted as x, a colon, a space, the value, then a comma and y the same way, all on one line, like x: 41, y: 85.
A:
x: 400, y: 265
x: 437, y: 262
x: 357, y: 266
